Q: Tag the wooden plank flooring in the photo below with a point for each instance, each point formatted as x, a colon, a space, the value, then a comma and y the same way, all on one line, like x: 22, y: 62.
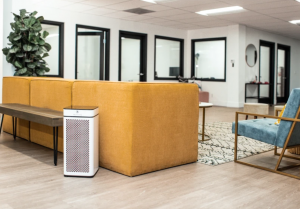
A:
x: 28, y: 179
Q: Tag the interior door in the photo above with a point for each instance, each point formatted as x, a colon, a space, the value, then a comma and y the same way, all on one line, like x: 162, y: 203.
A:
x: 283, y: 73
x: 132, y: 57
x: 266, y: 73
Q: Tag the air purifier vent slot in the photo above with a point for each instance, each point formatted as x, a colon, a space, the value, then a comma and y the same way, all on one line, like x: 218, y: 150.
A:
x: 77, y: 145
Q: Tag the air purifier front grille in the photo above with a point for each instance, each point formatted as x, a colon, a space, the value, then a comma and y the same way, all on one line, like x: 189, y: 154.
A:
x: 77, y: 145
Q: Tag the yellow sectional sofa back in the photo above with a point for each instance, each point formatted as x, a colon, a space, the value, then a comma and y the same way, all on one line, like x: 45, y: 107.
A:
x: 54, y: 94
x: 144, y: 127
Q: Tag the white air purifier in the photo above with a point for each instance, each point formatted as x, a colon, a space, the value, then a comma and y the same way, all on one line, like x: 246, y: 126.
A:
x: 81, y: 145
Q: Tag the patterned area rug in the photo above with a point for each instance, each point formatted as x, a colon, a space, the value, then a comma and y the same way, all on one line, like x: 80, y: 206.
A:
x: 220, y: 149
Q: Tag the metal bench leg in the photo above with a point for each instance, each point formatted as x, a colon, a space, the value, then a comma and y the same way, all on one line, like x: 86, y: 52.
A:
x: 55, y: 144
x: 14, y: 123
x: 1, y: 123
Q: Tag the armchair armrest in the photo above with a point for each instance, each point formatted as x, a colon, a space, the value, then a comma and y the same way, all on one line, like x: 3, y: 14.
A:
x: 265, y: 116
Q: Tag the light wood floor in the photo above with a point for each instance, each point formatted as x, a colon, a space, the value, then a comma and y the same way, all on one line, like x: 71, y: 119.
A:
x: 28, y: 179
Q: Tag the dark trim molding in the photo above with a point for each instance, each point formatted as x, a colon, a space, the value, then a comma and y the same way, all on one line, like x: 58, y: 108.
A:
x: 287, y: 50
x: 107, y: 49
x: 61, y: 26
x: 193, y: 58
x: 181, y: 57
x: 143, y: 37
x: 269, y: 100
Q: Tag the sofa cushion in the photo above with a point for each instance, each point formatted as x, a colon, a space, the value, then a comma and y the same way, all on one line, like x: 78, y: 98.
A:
x: 16, y: 90
x: 54, y: 94
x: 263, y: 130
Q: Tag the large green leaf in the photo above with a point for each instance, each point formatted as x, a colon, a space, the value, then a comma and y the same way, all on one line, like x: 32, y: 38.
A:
x: 33, y: 13
x: 37, y: 28
x: 22, y: 71
x: 45, y: 34
x: 9, y: 57
x: 40, y: 19
x: 17, y: 17
x: 25, y: 28
x: 5, y: 51
x: 27, y: 48
x: 31, y: 21
x: 47, y: 69
x: 47, y: 46
x: 39, y: 52
x: 45, y: 55
x: 22, y: 12
x: 19, y: 55
x: 14, y: 50
x: 18, y: 64
x: 40, y: 71
x: 41, y: 42
x: 17, y: 38
x: 13, y: 26
x: 35, y: 47
x: 28, y: 60
x: 31, y: 65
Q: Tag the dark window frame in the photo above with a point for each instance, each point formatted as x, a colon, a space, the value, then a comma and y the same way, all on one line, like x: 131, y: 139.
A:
x: 144, y: 49
x: 107, y: 49
x: 181, y: 58
x: 193, y: 58
x: 61, y: 26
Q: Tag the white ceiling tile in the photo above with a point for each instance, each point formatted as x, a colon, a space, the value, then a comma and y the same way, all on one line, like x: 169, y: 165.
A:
x: 182, y: 16
x: 100, y: 11
x: 102, y: 2
x: 186, y: 3
x: 54, y: 3
x: 75, y: 1
x: 157, y: 7
x: 167, y: 23
x: 197, y: 19
x: 119, y: 14
x: 154, y: 20
x: 128, y: 5
x: 270, y: 5
x: 167, y: 13
x: 137, y: 18
x: 77, y: 7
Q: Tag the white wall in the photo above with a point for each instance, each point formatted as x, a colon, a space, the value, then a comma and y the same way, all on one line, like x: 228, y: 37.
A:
x: 253, y: 36
x: 227, y: 93
x: 1, y: 46
x: 71, y: 19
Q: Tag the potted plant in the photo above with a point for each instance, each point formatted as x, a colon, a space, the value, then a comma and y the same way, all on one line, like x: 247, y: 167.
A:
x: 27, y: 45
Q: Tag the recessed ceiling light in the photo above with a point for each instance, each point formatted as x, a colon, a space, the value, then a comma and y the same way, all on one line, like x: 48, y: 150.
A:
x: 221, y: 10
x: 150, y: 1
x: 296, y: 22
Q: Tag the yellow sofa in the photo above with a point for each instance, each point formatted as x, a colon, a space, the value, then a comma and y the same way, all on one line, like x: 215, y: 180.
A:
x: 143, y: 127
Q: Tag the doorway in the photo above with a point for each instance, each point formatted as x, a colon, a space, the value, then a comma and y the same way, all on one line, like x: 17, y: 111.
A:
x: 283, y: 73
x: 132, y: 56
x: 92, y: 53
x: 266, y: 72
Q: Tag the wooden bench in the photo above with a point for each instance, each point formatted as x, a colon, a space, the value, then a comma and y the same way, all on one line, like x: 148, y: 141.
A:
x: 43, y: 116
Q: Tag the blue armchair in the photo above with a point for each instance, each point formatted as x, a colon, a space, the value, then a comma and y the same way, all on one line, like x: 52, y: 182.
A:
x: 286, y: 135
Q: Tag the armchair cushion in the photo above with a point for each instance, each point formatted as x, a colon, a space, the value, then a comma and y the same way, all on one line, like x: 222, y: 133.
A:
x: 263, y: 130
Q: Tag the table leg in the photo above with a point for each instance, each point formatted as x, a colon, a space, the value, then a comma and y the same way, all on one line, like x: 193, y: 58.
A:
x: 1, y: 123
x: 14, y: 123
x: 55, y: 142
x: 203, y: 124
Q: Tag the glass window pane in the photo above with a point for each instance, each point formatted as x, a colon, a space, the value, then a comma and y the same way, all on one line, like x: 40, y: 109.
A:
x: 210, y: 59
x: 131, y: 57
x: 53, y: 40
x: 281, y: 73
x: 88, y: 64
x: 167, y: 58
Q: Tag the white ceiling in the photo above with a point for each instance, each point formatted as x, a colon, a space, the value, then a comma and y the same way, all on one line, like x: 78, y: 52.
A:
x: 268, y: 15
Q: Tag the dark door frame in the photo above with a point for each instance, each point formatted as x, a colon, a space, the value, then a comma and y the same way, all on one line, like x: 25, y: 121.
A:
x: 271, y: 45
x: 103, y: 66
x: 143, y: 59
x: 287, y: 50
x: 61, y: 44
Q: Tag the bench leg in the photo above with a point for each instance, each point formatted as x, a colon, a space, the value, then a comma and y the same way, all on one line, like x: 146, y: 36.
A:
x: 55, y: 142
x: 1, y: 123
x: 14, y: 122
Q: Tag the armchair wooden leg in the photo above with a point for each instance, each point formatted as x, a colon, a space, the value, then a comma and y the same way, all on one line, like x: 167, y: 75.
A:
x: 275, y: 150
